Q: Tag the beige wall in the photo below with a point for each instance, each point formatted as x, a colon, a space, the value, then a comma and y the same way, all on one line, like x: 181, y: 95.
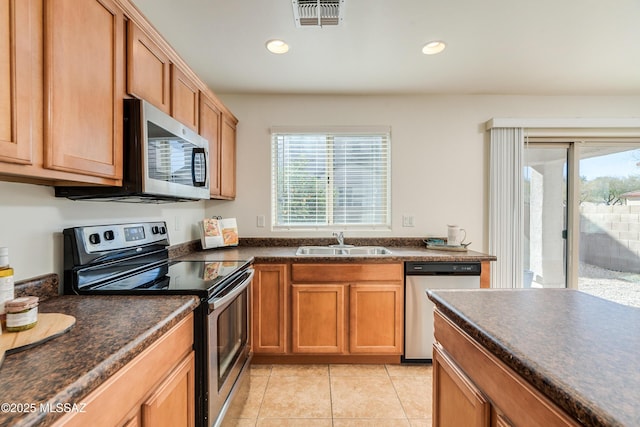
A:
x: 439, y: 158
x: 438, y: 169
x: 32, y: 220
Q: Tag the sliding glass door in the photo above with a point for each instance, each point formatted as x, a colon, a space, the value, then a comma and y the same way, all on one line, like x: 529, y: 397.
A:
x: 609, y: 234
x: 545, y: 216
x: 589, y: 193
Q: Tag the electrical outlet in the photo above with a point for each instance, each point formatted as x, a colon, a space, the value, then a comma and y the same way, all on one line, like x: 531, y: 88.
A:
x: 177, y: 223
x: 407, y: 221
x: 260, y: 221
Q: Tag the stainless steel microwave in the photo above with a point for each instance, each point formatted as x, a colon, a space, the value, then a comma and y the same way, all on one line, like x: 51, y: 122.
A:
x: 164, y: 161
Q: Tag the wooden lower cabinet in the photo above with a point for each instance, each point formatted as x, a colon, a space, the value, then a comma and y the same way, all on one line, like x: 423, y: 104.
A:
x: 318, y: 318
x: 376, y: 318
x: 328, y: 312
x: 269, y: 296
x: 173, y: 404
x: 155, y: 389
x: 351, y: 309
x: 472, y: 387
x: 457, y: 401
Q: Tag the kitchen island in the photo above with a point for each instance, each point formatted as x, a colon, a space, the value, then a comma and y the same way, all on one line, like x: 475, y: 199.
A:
x: 531, y: 356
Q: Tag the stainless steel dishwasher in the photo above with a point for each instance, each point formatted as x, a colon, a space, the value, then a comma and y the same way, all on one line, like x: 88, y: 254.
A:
x: 418, y: 308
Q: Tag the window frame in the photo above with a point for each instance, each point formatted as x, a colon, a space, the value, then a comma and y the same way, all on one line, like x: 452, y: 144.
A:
x: 333, y: 132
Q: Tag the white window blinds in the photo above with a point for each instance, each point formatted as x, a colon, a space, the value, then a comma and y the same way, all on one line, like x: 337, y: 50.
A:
x: 328, y: 179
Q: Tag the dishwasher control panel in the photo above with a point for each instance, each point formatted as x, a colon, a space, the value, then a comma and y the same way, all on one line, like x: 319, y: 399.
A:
x: 444, y: 268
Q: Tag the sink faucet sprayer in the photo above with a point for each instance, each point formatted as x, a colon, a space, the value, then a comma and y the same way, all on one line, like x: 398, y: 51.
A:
x: 340, y: 237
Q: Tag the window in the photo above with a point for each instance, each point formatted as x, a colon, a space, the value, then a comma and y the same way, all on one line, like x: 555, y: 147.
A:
x: 329, y: 179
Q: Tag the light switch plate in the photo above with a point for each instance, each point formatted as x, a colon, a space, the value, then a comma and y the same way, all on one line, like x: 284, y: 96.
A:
x: 407, y: 221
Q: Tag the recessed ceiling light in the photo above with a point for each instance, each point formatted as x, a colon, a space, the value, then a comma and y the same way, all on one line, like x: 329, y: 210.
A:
x: 277, y: 46
x: 433, y: 47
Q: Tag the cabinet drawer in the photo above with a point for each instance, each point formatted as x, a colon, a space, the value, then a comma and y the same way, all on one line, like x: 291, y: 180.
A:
x: 345, y: 272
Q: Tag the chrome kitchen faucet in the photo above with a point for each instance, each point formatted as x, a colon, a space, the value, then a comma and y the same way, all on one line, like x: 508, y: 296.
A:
x: 340, y: 237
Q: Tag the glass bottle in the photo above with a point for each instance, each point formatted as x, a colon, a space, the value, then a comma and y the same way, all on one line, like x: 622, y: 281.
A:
x: 7, y: 291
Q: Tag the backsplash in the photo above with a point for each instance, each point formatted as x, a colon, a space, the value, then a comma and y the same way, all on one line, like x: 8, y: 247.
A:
x: 356, y: 241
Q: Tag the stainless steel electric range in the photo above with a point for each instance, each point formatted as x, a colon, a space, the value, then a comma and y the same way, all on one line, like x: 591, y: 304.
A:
x: 133, y: 259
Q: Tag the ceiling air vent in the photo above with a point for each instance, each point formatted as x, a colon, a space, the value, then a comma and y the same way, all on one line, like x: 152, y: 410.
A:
x: 318, y: 13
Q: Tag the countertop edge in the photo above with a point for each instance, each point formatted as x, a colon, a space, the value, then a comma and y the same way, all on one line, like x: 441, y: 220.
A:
x: 275, y: 254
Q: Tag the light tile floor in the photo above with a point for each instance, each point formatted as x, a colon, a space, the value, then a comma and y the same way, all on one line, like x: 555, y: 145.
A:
x: 338, y: 396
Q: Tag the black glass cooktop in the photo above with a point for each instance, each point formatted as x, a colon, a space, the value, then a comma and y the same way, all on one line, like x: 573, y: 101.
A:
x: 188, y: 277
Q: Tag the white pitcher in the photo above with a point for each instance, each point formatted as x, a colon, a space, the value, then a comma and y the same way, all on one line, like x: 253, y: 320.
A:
x: 455, y: 235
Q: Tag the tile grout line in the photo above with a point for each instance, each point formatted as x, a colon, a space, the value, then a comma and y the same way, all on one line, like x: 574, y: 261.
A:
x: 330, y: 395
x: 264, y: 393
x: 404, y: 411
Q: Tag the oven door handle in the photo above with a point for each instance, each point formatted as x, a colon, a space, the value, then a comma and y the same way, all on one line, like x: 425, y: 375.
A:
x: 217, y: 303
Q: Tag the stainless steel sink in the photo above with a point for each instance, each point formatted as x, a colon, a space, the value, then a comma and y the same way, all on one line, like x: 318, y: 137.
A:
x: 343, y: 250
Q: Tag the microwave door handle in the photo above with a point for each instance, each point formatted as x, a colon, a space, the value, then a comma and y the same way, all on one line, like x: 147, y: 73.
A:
x: 198, y: 152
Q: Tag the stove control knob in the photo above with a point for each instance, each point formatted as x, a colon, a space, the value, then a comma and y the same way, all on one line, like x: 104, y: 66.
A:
x: 108, y: 235
x: 155, y: 229
x: 163, y: 230
x: 94, y: 238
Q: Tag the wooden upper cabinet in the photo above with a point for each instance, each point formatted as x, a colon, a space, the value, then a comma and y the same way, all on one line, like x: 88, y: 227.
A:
x: 15, y: 80
x: 148, y: 69
x: 84, y: 86
x: 228, y: 157
x: 184, y: 98
x: 210, y: 123
x: 219, y: 128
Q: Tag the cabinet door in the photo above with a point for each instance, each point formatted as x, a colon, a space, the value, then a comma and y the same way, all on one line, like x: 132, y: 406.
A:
x: 184, y: 98
x: 84, y: 86
x: 148, y: 69
x: 269, y: 308
x: 133, y: 421
x: 228, y: 157
x: 210, y: 122
x: 498, y: 419
x: 15, y: 80
x: 173, y: 402
x: 375, y: 318
x: 456, y: 400
x: 318, y: 318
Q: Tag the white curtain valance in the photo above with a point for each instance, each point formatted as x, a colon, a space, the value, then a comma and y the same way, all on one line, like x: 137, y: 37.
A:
x: 564, y: 123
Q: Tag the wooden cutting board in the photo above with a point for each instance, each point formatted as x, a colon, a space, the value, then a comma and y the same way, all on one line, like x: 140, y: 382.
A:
x: 49, y: 326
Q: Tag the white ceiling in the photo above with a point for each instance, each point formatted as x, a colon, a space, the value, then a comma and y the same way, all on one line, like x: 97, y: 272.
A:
x: 545, y: 47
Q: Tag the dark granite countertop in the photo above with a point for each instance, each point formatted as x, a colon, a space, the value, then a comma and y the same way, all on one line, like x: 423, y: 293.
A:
x: 277, y: 250
x: 109, y: 332
x: 581, y: 351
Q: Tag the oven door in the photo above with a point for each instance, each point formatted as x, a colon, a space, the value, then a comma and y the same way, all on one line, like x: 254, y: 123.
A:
x: 229, y: 345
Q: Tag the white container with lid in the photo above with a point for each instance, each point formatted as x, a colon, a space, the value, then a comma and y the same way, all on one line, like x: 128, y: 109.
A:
x: 22, y: 313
